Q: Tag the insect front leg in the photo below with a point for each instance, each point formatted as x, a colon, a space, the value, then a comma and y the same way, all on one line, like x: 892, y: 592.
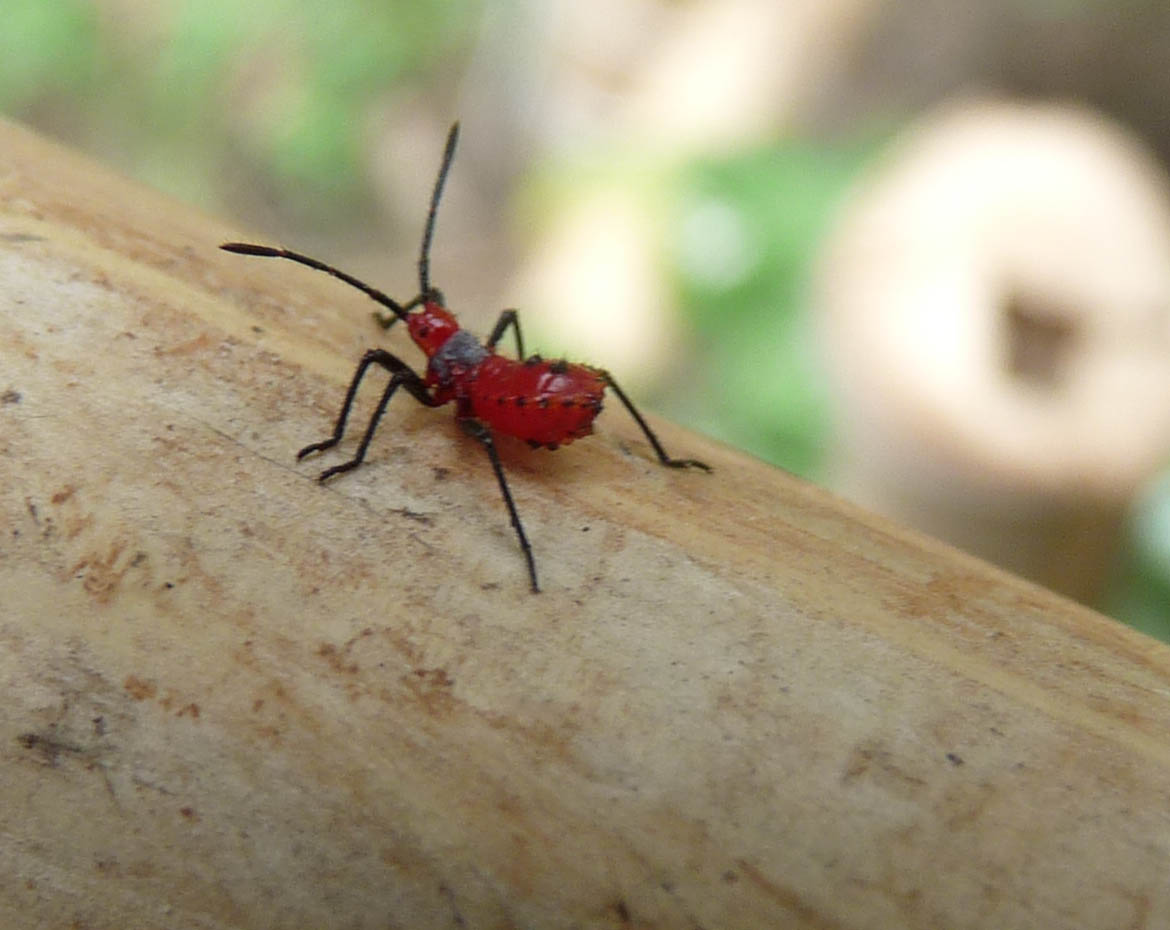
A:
x: 401, y: 376
x: 507, y: 318
x: 478, y: 430
x: 649, y: 433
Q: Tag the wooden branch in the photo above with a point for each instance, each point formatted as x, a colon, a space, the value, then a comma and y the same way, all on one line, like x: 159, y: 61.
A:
x: 234, y: 698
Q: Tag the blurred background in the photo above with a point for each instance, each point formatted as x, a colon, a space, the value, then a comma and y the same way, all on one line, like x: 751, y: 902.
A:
x: 918, y: 251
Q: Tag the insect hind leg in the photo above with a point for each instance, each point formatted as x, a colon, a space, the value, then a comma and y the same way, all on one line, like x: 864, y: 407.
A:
x: 649, y: 433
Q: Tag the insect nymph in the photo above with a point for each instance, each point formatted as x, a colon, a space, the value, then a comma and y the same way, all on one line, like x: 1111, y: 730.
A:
x: 545, y: 403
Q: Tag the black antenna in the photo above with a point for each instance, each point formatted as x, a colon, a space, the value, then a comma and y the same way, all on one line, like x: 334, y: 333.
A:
x: 244, y: 248
x: 424, y: 259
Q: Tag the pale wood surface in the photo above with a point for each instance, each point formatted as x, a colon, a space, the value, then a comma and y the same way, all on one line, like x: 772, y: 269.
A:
x: 233, y: 698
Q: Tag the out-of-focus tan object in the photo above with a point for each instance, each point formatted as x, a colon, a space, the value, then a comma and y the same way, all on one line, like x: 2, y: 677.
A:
x: 233, y: 698
x: 728, y: 71
x: 996, y: 304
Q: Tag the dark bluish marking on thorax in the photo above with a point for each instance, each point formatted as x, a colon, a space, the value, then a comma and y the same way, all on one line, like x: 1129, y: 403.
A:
x: 461, y: 351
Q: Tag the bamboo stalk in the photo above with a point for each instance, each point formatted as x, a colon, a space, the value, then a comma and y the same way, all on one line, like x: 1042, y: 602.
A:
x: 234, y: 698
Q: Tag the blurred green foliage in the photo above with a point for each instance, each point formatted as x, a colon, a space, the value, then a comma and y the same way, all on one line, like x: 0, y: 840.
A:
x: 169, y: 91
x: 746, y: 232
x: 1141, y: 592
x: 49, y: 49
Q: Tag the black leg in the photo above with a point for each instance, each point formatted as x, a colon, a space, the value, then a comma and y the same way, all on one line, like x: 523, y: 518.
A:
x: 662, y: 456
x: 474, y: 428
x: 402, y: 376
x: 507, y: 318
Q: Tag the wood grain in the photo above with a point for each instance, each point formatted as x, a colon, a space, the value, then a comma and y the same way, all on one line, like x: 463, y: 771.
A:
x: 234, y: 698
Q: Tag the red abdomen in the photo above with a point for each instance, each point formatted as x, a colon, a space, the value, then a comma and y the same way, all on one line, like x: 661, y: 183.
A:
x: 543, y: 403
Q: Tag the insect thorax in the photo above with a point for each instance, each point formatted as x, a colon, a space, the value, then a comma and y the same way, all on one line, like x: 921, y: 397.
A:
x: 461, y: 352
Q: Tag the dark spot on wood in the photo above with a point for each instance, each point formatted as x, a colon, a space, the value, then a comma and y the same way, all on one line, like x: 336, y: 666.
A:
x: 456, y: 916
x: 49, y: 747
x: 138, y: 688
x: 413, y: 515
x: 954, y: 759
x: 435, y: 676
x: 10, y: 397
x: 433, y: 689
x: 339, y: 663
x: 622, y: 911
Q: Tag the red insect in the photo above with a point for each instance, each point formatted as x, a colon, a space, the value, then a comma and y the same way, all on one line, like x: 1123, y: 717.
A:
x: 545, y: 403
